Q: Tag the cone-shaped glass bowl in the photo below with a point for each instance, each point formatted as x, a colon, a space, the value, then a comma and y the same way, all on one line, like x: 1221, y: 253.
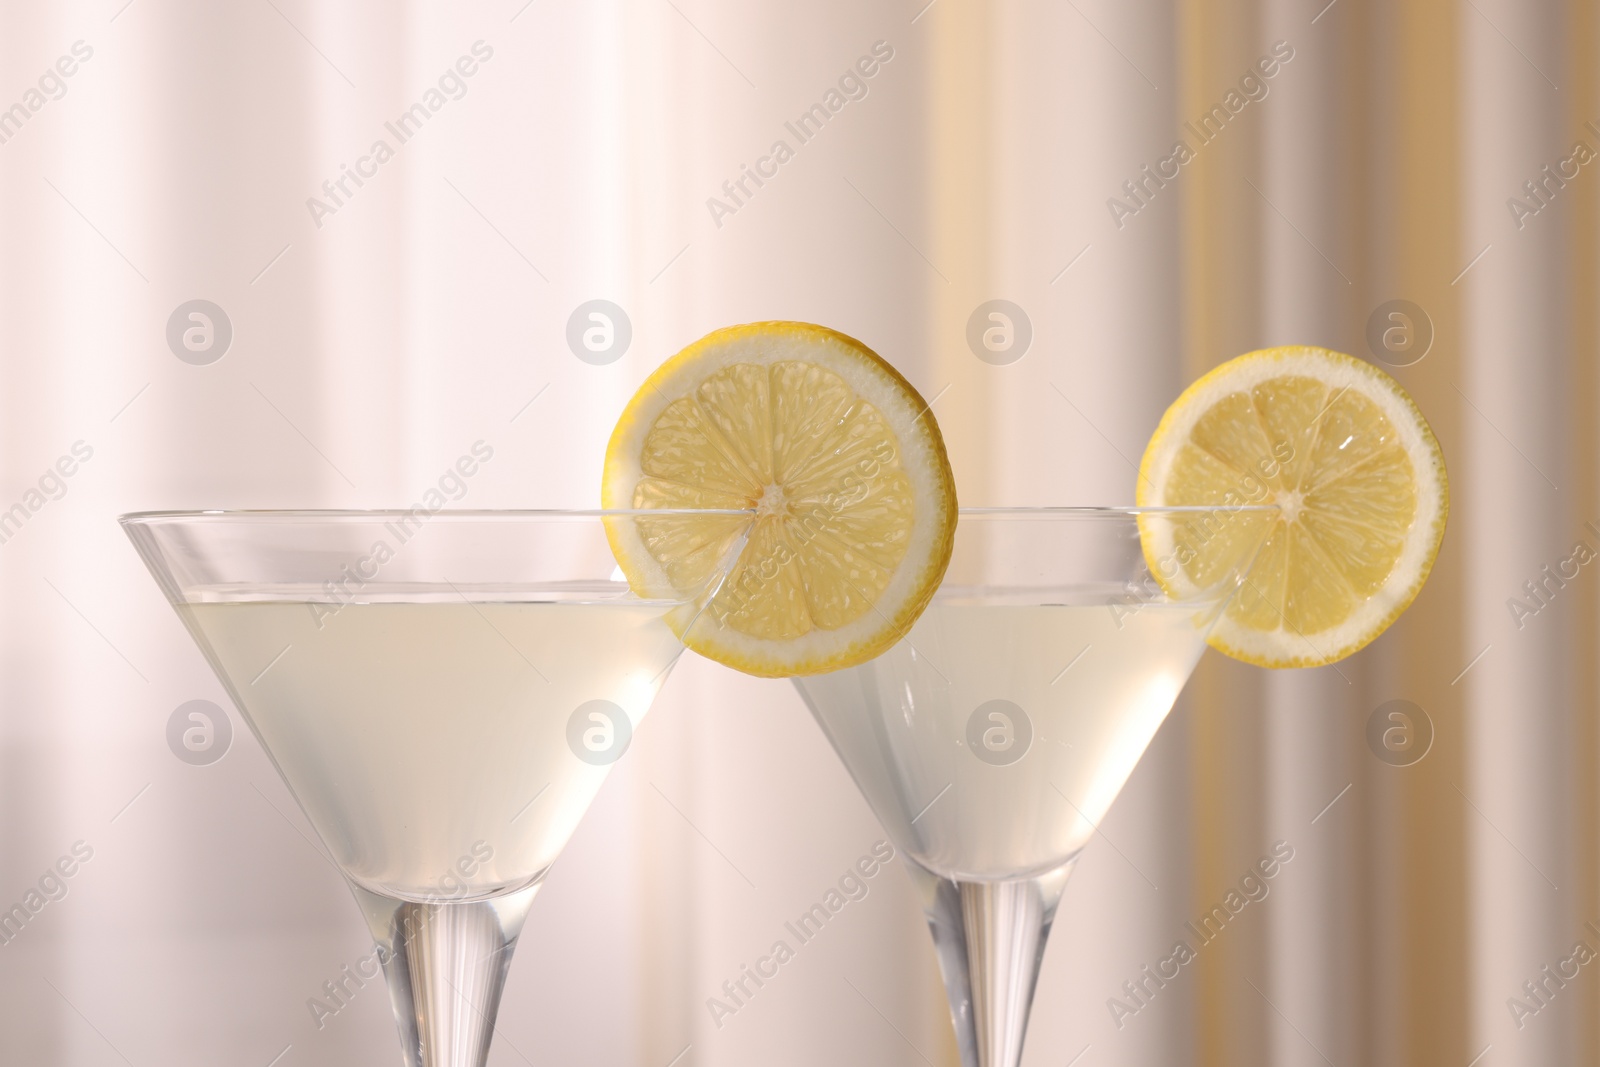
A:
x: 444, y: 694
x: 992, y: 739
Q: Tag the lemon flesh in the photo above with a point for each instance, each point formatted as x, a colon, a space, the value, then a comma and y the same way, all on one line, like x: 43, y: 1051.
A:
x: 1357, y: 476
x: 837, y: 461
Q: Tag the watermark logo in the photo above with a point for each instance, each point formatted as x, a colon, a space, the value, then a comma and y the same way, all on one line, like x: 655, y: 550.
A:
x: 50, y: 888
x: 453, y: 883
x: 199, y: 732
x: 199, y: 332
x: 852, y: 885
x: 1253, y: 87
x: 452, y: 485
x: 51, y: 86
x: 1543, y: 188
x: 1253, y: 488
x: 341, y: 989
x: 1540, y: 990
x: 1399, y: 333
x: 999, y: 732
x: 999, y: 332
x: 52, y: 485
x: 739, y: 593
x: 339, y: 190
x: 1545, y: 586
x: 1399, y: 733
x: 1142, y: 989
x: 599, y: 332
x: 737, y: 192
x: 598, y: 732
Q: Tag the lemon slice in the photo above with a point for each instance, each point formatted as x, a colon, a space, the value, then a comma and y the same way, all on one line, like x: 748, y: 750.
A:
x: 1357, y: 475
x: 841, y: 464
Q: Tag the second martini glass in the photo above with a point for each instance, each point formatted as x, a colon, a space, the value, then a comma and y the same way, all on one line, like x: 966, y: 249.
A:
x: 443, y: 694
x: 992, y: 739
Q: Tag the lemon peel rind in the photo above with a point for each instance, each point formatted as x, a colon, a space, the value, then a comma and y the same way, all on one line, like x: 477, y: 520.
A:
x: 1337, y: 370
x: 878, y: 383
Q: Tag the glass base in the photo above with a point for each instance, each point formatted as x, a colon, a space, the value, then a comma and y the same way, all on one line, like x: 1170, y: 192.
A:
x: 445, y: 965
x: 990, y: 939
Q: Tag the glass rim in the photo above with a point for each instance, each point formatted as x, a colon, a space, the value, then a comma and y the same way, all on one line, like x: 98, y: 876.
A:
x: 148, y: 518
x: 1113, y: 511
x: 144, y: 518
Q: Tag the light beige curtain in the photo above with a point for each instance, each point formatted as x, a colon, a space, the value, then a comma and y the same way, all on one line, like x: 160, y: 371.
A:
x: 185, y: 158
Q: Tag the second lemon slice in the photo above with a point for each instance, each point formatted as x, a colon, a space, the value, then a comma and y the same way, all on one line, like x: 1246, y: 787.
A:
x: 841, y: 464
x: 1360, y: 486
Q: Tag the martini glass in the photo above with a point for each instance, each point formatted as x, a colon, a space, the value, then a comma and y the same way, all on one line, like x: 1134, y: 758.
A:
x: 992, y: 739
x: 443, y: 694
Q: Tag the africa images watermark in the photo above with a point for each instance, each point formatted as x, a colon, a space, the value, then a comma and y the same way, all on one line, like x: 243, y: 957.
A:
x: 852, y: 85
x: 852, y: 885
x: 1543, y: 189
x: 1204, y: 527
x: 1542, y: 589
x: 1253, y: 87
x: 452, y: 85
x: 1253, y: 888
x: 52, y: 85
x: 52, y: 485
x: 452, y: 485
x: 1552, y: 978
x: 804, y: 526
x: 341, y: 989
x: 50, y: 887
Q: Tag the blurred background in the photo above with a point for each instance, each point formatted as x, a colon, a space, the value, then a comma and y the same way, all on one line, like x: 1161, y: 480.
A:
x: 374, y: 313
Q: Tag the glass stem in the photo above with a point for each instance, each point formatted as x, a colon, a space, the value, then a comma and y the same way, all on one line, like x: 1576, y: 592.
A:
x: 445, y: 964
x: 990, y: 939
